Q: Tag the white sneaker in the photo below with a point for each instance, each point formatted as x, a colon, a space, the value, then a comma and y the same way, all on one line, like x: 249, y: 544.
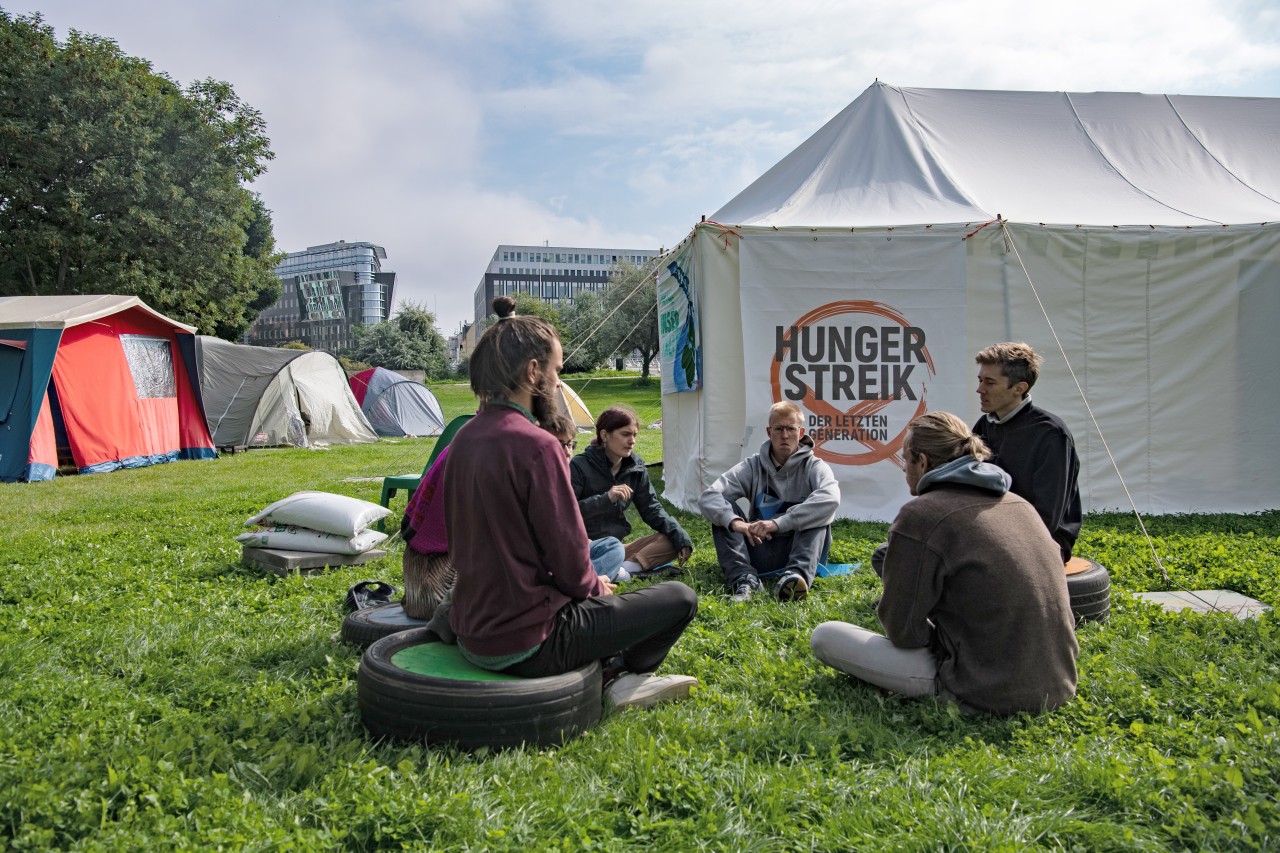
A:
x: 633, y: 690
x: 622, y: 576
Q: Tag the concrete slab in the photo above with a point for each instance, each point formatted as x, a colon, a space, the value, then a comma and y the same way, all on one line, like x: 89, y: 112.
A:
x: 1207, y: 601
x: 284, y: 562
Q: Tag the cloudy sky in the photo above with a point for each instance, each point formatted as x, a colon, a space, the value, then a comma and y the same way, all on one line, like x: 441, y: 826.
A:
x: 442, y: 129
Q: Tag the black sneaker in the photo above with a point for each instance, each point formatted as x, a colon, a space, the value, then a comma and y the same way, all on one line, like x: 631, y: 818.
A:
x: 791, y: 587
x: 742, y: 591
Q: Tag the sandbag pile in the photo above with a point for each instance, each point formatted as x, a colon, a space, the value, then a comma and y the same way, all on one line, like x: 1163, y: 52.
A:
x: 317, y: 521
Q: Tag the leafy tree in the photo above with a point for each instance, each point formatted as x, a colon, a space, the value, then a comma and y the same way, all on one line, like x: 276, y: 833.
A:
x: 113, y: 179
x: 586, y: 340
x: 294, y: 345
x: 532, y: 306
x: 351, y: 366
x: 408, y: 341
x: 632, y: 296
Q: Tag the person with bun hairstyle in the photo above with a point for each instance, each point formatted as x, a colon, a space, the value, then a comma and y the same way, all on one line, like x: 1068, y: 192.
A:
x: 527, y: 600
x: 975, y: 607
x: 504, y: 307
x: 607, y: 478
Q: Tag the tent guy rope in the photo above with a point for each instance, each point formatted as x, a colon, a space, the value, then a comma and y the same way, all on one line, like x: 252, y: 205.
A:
x: 1088, y: 408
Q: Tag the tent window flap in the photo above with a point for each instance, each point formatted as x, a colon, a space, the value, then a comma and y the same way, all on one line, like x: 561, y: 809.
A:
x: 151, y: 365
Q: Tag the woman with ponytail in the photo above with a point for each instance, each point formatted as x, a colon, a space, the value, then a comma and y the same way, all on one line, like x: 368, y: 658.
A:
x: 975, y: 604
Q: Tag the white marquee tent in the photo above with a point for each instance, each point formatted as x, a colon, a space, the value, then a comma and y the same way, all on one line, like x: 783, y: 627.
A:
x: 862, y: 272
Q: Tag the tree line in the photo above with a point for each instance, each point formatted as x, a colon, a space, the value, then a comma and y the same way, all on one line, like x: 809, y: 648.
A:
x: 116, y: 179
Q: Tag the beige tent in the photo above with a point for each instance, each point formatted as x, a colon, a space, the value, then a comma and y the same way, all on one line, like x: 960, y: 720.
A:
x: 571, y: 404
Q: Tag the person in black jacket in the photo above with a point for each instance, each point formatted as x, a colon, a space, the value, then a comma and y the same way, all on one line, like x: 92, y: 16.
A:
x: 607, y: 478
x: 1035, y: 447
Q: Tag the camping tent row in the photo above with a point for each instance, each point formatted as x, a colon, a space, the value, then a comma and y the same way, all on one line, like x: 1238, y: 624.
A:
x: 1133, y: 240
x: 115, y: 384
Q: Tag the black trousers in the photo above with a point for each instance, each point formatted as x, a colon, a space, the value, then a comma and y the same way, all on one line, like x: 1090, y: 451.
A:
x: 642, y: 626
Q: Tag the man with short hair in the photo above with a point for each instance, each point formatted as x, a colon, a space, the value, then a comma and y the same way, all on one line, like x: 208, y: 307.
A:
x: 1035, y: 447
x: 794, y: 497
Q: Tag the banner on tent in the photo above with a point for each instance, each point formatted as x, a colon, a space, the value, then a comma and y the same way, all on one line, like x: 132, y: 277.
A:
x: 679, y: 346
x: 864, y: 333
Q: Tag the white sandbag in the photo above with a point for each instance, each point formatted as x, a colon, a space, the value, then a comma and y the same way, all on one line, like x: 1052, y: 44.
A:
x: 323, y: 511
x: 293, y: 538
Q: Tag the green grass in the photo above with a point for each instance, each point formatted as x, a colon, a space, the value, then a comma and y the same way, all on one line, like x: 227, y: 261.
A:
x: 159, y: 695
x: 597, y: 392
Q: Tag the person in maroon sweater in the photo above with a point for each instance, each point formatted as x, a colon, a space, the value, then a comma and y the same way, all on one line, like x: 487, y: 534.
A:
x: 527, y: 600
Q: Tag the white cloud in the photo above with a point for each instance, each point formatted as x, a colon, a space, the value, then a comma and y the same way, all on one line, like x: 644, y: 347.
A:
x: 442, y: 130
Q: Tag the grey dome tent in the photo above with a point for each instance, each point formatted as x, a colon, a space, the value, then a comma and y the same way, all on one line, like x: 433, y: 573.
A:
x: 395, y: 405
x: 265, y: 396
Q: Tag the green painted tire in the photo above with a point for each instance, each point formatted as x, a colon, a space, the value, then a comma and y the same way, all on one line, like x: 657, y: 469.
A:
x: 412, y: 687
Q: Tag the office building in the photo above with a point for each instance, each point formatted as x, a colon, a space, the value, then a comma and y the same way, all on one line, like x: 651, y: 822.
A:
x: 328, y: 291
x: 555, y: 274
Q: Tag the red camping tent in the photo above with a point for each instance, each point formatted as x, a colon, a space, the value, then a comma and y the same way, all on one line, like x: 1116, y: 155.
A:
x: 120, y: 391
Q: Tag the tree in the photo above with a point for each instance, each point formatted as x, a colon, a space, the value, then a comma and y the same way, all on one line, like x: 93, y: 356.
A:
x: 586, y: 341
x: 632, y: 296
x: 113, y: 179
x: 409, y: 341
x: 532, y: 306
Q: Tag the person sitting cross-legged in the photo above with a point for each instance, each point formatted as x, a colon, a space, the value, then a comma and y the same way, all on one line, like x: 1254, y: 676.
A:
x: 609, y: 476
x: 975, y: 607
x: 527, y: 600
x: 607, y: 553
x: 794, y: 497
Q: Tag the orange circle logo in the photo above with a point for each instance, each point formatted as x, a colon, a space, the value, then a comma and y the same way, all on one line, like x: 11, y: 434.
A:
x: 886, y: 356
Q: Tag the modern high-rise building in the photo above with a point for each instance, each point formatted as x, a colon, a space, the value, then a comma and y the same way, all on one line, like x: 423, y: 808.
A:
x: 328, y: 291
x: 555, y: 274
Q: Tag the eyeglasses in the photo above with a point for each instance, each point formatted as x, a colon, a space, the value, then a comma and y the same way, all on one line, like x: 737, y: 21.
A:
x: 569, y: 445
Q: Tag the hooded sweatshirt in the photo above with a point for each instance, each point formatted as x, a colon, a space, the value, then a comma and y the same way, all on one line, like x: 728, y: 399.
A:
x: 800, y: 495
x: 972, y: 574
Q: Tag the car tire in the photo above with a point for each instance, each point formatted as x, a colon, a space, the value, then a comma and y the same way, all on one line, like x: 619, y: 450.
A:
x: 1090, y: 592
x: 412, y: 687
x: 370, y: 624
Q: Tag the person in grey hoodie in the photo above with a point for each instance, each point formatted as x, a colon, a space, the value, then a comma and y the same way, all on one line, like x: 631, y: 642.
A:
x: 975, y: 607
x: 793, y: 498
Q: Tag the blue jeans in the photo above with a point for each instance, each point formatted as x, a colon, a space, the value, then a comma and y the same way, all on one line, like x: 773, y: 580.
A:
x: 607, y: 555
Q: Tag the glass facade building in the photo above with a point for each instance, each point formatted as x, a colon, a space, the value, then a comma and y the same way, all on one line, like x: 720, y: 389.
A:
x: 328, y: 291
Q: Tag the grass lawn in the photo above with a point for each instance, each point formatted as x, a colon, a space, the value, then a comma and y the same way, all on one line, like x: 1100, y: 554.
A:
x: 159, y: 695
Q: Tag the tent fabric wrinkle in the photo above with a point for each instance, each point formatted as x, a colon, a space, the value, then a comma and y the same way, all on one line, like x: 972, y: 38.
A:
x: 935, y: 156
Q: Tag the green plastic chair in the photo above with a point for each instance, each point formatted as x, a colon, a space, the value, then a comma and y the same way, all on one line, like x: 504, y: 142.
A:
x: 409, y: 482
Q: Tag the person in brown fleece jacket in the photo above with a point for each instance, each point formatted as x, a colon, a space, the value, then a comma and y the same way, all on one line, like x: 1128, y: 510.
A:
x: 975, y: 606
